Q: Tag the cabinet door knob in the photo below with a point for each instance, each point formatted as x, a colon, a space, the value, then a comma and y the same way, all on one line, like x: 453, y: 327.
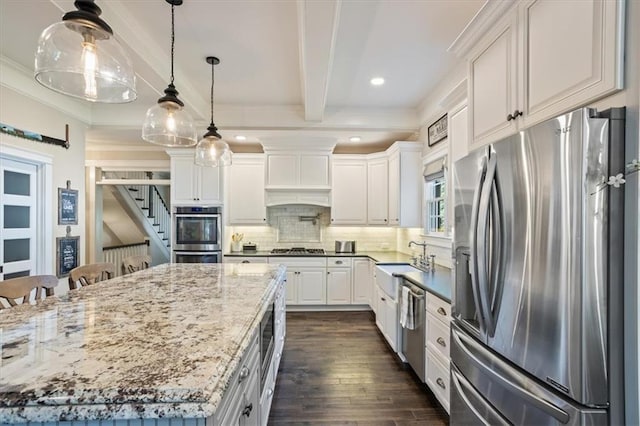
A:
x: 247, y: 410
x: 441, y: 342
x: 385, y: 220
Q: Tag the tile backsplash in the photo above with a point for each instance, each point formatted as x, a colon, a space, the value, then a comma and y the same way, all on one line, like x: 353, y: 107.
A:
x: 298, y: 223
x: 308, y: 226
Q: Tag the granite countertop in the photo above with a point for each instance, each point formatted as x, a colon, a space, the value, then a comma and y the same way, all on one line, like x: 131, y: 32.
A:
x: 162, y: 342
x: 437, y: 282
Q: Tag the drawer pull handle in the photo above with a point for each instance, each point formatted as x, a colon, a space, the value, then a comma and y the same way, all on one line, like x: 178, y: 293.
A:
x: 269, y: 392
x: 245, y: 261
x: 339, y: 262
x: 440, y: 383
x: 513, y: 116
x: 247, y: 410
x: 441, y: 311
x: 441, y: 342
x: 244, y: 373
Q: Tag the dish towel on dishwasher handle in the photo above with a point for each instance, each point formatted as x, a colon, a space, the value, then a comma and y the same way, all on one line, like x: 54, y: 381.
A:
x: 407, y: 309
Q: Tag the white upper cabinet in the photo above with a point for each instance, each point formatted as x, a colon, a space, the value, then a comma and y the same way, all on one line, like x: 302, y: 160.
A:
x: 349, y: 190
x: 405, y: 184
x: 541, y: 59
x: 493, y: 83
x: 569, y: 65
x: 192, y: 184
x: 458, y: 133
x: 245, y: 190
x: 377, y: 189
x: 298, y: 170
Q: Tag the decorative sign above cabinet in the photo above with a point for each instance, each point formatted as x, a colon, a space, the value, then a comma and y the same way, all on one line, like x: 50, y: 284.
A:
x: 438, y: 131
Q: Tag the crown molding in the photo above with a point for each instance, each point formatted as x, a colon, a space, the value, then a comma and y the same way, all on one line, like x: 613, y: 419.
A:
x: 483, y: 20
x: 455, y: 96
x: 16, y: 77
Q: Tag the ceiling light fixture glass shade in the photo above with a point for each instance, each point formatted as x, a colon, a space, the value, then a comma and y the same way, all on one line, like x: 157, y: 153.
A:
x: 167, y: 123
x: 211, y: 150
x: 80, y: 57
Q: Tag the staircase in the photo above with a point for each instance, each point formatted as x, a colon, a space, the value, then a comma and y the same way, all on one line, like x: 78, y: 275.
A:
x: 146, y: 203
x: 150, y: 202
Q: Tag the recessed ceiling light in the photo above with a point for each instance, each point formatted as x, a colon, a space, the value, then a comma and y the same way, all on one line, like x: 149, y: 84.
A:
x: 241, y: 138
x: 377, y: 81
x: 355, y: 139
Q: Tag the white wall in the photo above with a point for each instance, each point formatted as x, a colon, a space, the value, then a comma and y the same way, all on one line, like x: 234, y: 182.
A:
x: 23, y: 112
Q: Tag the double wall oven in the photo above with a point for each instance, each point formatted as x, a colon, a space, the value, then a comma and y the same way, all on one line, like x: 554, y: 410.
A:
x: 197, y: 235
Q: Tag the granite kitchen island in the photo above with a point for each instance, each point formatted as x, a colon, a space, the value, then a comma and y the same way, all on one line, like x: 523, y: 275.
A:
x: 164, y: 343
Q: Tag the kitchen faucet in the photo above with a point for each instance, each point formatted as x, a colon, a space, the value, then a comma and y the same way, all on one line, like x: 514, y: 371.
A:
x: 422, y: 259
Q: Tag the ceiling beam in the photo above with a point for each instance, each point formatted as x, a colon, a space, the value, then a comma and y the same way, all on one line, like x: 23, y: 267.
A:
x: 317, y: 31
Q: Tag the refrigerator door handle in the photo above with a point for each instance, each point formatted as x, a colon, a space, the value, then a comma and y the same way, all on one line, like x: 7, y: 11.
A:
x: 497, y: 256
x: 462, y: 387
x: 473, y: 255
x: 482, y: 236
x: 464, y: 342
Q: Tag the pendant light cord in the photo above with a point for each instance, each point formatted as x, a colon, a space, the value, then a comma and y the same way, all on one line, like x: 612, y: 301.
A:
x: 173, y: 37
x: 212, y: 76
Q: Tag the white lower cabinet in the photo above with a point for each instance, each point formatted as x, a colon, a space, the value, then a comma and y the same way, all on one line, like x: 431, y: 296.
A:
x: 339, y: 279
x: 438, y: 317
x: 387, y: 317
x: 239, y: 405
x: 244, y: 403
x: 306, y: 279
x: 438, y: 379
x: 312, y: 287
x: 362, y: 281
x: 391, y: 322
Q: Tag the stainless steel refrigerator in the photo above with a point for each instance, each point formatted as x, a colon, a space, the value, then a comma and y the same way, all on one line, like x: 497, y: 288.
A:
x: 536, y: 337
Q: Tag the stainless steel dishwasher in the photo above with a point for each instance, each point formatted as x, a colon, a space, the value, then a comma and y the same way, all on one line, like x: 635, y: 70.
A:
x: 413, y: 341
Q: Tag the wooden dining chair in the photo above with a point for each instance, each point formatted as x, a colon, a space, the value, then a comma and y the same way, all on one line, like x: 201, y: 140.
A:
x: 90, y: 274
x: 14, y: 289
x: 135, y: 263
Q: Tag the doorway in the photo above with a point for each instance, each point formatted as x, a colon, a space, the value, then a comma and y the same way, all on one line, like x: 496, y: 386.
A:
x: 25, y: 214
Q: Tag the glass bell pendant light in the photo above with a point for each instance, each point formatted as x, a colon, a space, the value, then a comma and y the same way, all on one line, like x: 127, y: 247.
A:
x: 167, y: 123
x: 211, y: 150
x: 80, y: 57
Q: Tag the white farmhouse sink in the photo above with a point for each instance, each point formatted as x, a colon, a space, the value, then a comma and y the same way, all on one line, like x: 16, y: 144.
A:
x: 387, y: 282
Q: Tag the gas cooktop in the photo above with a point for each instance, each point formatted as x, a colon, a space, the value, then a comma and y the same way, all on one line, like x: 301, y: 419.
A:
x: 297, y: 251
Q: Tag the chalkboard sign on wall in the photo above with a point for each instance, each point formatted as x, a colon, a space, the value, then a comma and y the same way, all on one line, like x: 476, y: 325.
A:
x: 67, y: 206
x: 67, y: 252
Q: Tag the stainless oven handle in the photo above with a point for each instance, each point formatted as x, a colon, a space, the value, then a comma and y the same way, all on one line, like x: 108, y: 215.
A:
x: 195, y: 253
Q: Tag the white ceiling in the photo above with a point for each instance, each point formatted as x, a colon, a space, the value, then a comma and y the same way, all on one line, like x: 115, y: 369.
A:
x: 288, y: 67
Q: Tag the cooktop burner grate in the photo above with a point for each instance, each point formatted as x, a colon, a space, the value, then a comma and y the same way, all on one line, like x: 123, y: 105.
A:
x: 297, y: 250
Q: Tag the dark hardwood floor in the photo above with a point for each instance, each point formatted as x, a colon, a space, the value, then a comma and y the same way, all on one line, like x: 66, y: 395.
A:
x: 337, y: 369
